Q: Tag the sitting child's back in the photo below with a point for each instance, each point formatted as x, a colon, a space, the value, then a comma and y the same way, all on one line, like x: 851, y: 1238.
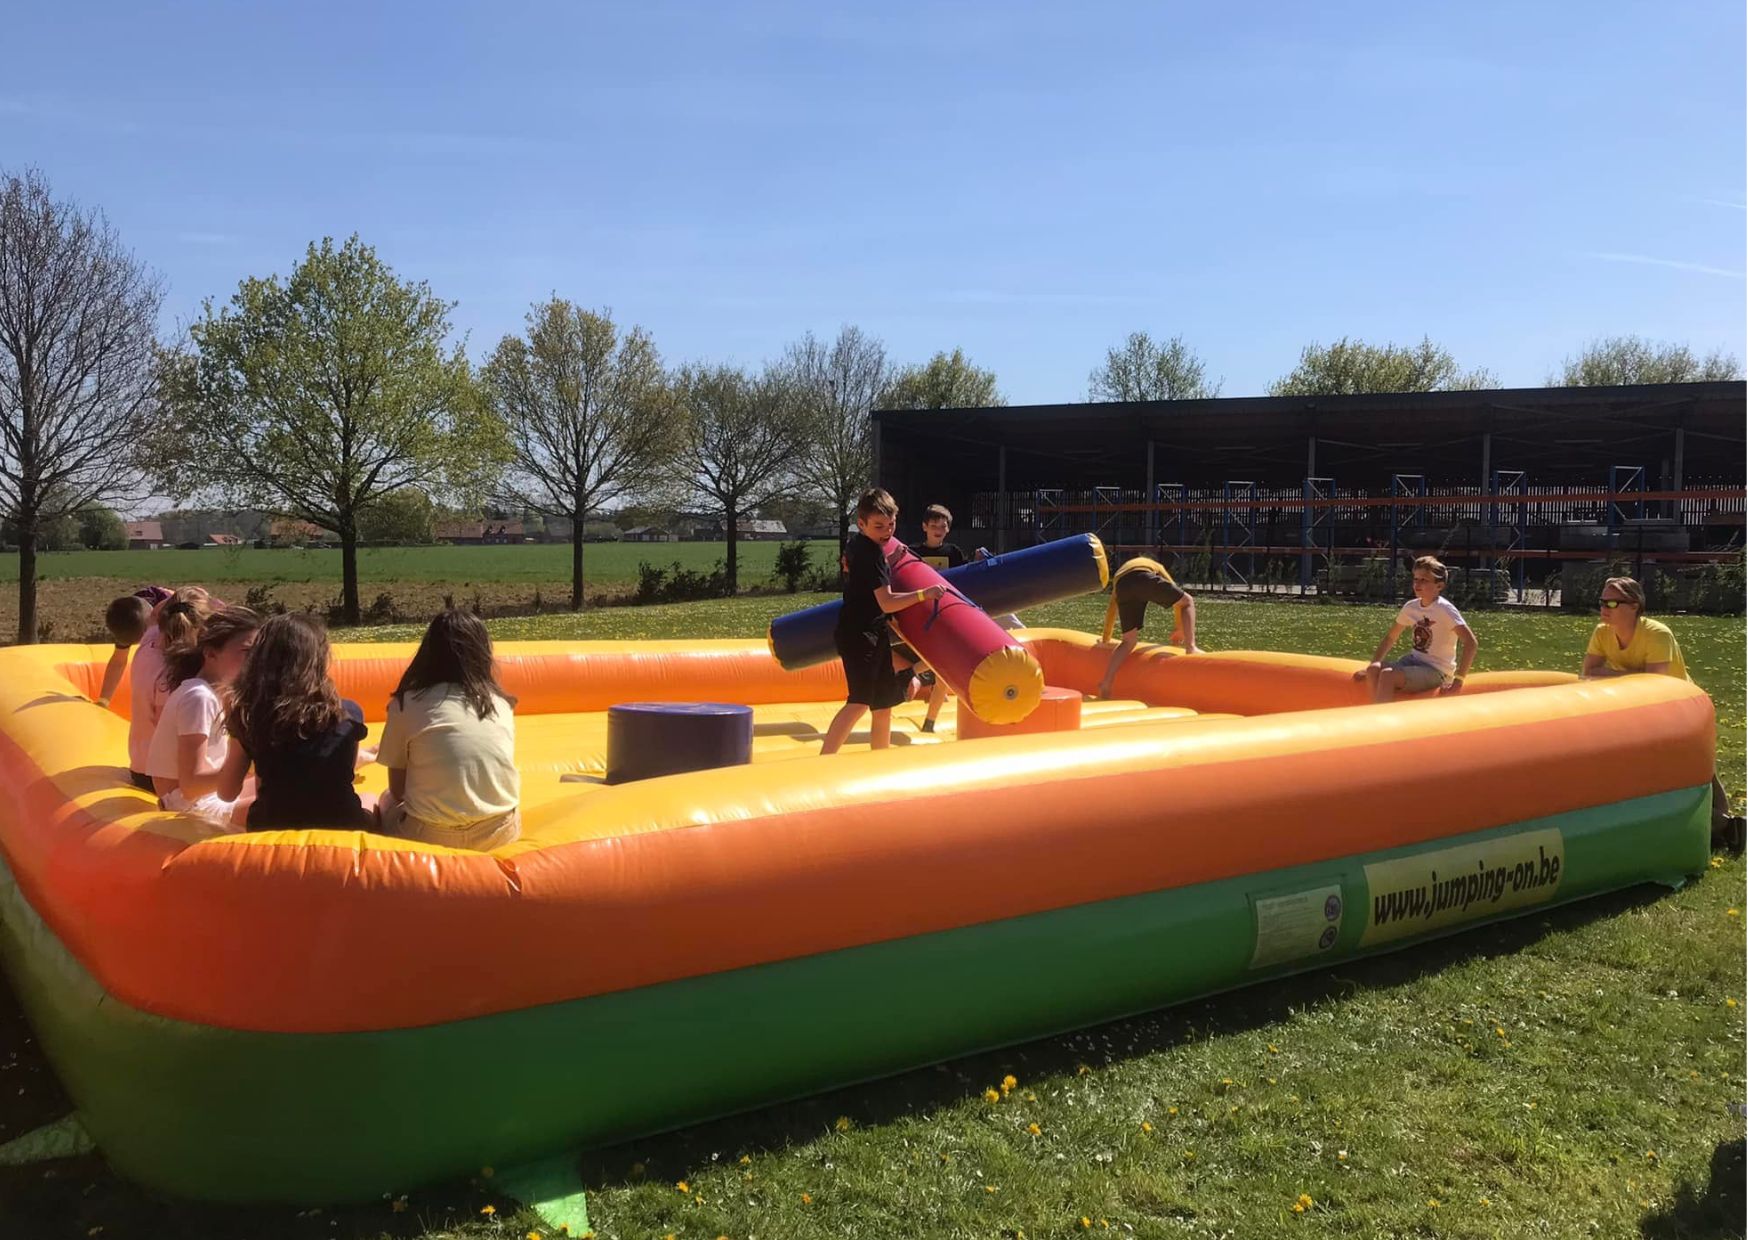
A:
x: 450, y: 743
x: 460, y: 767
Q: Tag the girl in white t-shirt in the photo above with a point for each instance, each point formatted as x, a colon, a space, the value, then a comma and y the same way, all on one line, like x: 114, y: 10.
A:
x: 175, y: 622
x: 1438, y: 629
x: 449, y: 743
x: 189, y: 747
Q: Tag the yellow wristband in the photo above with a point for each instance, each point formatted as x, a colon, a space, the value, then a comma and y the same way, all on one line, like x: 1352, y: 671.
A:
x: 922, y: 596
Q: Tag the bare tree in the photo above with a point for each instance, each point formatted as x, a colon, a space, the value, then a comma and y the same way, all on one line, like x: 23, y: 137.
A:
x: 838, y: 385
x: 78, y: 355
x: 740, y: 437
x: 586, y: 412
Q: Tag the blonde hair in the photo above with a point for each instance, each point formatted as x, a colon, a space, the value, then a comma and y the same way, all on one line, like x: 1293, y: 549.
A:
x: 1431, y: 564
x: 1634, y: 592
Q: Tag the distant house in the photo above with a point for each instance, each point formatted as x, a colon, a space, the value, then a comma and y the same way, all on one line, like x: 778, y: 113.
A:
x: 650, y: 533
x: 289, y: 533
x: 478, y: 533
x: 224, y: 540
x: 145, y: 535
x: 751, y: 529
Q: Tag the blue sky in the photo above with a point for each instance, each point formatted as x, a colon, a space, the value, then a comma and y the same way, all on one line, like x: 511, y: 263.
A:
x: 1027, y: 182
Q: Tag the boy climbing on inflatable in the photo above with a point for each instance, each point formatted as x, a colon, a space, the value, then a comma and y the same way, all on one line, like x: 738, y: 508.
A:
x: 1139, y: 582
x: 877, y: 680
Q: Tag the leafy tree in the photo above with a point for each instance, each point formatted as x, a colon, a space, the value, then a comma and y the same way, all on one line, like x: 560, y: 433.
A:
x: 587, y: 414
x: 78, y: 320
x: 405, y: 518
x: 740, y: 437
x: 317, y: 396
x: 944, y: 382
x: 100, y: 529
x: 1614, y: 360
x: 837, y: 386
x: 1143, y: 370
x: 1349, y: 367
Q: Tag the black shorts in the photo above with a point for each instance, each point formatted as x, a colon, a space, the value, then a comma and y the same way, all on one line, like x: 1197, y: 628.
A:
x: 1137, y: 590
x: 867, y: 659
x: 142, y: 782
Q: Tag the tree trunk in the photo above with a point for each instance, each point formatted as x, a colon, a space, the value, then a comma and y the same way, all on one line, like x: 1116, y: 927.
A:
x: 576, y: 564
x: 349, y: 573
x: 732, y: 521
x: 843, y: 522
x: 26, y: 583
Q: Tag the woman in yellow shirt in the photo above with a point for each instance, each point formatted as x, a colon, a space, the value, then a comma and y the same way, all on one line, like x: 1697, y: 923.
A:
x: 1627, y: 642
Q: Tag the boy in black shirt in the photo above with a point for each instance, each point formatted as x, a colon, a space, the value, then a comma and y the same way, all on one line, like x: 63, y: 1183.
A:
x: 876, y: 681
x: 935, y: 550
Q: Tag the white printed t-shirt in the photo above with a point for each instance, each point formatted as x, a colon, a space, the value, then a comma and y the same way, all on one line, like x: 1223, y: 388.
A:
x: 461, y: 769
x: 193, y: 709
x: 146, y: 686
x: 1434, y: 630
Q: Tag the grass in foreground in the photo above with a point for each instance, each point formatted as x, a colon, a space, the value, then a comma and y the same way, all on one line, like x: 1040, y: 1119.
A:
x: 1570, y: 1073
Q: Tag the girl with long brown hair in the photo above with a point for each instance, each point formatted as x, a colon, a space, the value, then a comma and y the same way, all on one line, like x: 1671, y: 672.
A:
x: 450, y: 743
x: 288, y: 721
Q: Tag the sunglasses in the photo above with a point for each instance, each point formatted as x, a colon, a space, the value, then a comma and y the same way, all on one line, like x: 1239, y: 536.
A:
x: 1612, y: 603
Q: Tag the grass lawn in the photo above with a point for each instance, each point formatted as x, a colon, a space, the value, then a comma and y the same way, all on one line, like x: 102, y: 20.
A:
x: 603, y: 563
x: 1577, y: 1072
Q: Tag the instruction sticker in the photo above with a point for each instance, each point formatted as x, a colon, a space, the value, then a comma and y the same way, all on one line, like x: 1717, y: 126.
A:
x: 1296, y: 925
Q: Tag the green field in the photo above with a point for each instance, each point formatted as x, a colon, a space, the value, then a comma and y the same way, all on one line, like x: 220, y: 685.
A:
x: 604, y: 563
x: 1568, y: 1074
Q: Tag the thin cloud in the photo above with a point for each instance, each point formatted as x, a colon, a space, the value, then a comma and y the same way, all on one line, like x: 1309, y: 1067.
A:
x: 1647, y: 260
x: 1723, y: 202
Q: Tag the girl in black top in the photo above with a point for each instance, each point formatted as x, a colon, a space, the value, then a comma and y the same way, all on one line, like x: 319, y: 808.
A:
x: 287, y: 719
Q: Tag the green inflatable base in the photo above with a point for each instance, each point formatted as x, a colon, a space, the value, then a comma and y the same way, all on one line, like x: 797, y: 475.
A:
x: 310, y: 1118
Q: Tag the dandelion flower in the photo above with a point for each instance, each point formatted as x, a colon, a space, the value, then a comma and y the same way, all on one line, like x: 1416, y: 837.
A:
x: 533, y: 1235
x: 1034, y: 1130
x: 746, y: 1160
x: 1485, y: 1202
x: 1146, y: 1127
x: 1082, y: 1069
x: 806, y: 1199
x: 1298, y: 1207
x: 488, y: 1210
x: 1008, y: 1082
x: 842, y: 1124
x: 1272, y: 1081
x: 1085, y: 1221
x: 992, y: 1095
x: 1735, y: 912
x: 1341, y: 1156
x: 1432, y: 1203
x: 1273, y: 1049
x: 680, y: 1186
x: 1717, y: 862
x: 1729, y: 1003
x: 1500, y: 1030
x: 1171, y: 1110
x: 989, y: 1188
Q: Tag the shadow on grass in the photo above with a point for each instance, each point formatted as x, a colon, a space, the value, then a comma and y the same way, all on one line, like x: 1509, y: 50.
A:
x: 1717, y: 1212
x: 674, y: 1155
